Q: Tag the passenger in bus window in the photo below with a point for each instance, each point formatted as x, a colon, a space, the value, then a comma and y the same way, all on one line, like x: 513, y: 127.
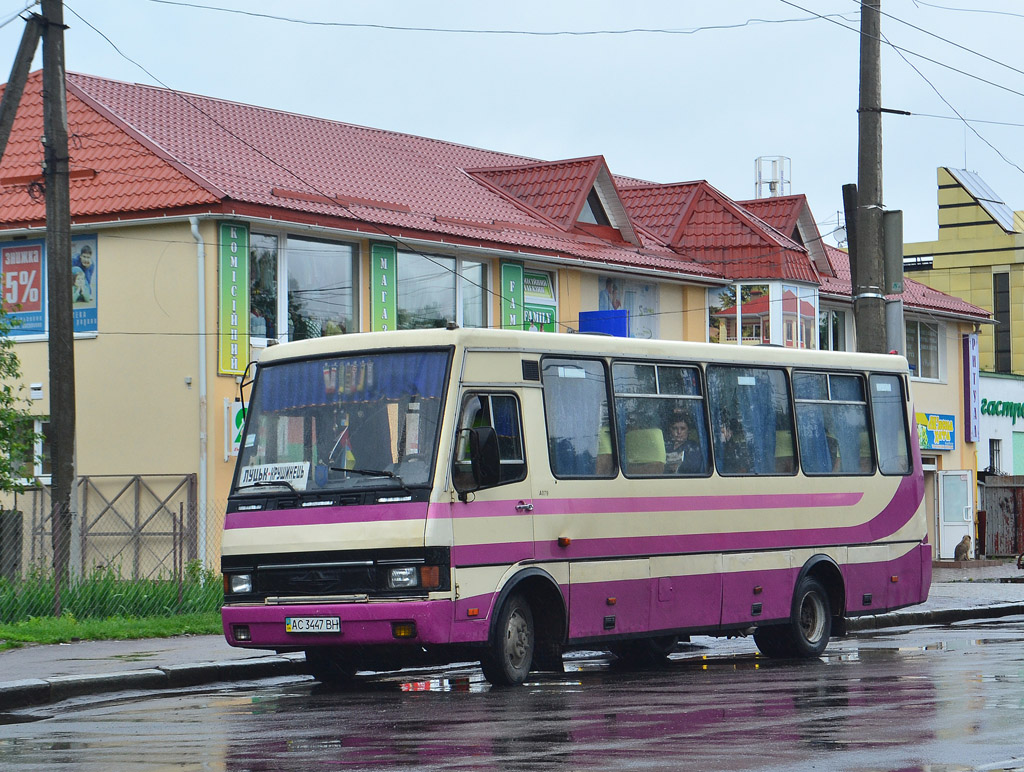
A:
x: 734, y: 454
x: 683, y: 455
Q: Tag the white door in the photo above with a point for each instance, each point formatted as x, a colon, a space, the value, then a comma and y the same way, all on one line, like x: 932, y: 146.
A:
x: 956, y: 510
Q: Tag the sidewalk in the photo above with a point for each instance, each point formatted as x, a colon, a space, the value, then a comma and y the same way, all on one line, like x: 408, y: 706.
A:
x: 36, y: 675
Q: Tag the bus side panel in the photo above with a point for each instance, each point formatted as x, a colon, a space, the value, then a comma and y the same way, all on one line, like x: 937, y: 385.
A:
x: 609, y: 598
x: 757, y: 586
x: 686, y: 591
x: 867, y: 580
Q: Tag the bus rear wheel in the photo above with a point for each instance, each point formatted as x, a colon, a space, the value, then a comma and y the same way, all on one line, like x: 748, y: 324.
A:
x: 510, y: 653
x: 807, y: 632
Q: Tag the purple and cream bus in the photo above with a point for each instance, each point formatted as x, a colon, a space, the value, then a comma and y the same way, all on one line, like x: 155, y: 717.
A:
x: 452, y: 495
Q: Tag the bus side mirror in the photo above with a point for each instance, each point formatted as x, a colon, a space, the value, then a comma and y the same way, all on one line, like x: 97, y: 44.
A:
x: 484, y: 461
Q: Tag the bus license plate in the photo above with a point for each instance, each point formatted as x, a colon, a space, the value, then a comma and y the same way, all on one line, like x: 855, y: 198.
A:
x: 312, y: 625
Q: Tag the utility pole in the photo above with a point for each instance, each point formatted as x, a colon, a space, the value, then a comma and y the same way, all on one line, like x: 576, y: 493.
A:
x: 868, y: 291
x: 58, y: 259
x: 16, y: 83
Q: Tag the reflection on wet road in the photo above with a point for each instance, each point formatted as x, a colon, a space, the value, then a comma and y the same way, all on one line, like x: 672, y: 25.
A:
x: 937, y: 699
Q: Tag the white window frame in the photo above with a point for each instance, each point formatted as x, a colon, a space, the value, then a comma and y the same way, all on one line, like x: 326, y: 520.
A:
x: 460, y: 259
x: 37, y: 456
x: 282, y: 279
x: 940, y: 352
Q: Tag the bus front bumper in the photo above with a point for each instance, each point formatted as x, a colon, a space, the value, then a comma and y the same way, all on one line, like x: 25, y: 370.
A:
x: 339, y: 624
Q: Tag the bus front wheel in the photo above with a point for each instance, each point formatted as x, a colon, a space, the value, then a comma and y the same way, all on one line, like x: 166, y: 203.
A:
x: 807, y: 632
x: 510, y: 652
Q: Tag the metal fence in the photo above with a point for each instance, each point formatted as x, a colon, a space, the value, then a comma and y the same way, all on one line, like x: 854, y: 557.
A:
x: 140, y: 545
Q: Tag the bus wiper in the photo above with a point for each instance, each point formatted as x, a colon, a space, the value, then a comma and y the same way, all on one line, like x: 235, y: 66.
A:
x: 267, y: 483
x: 374, y: 473
x: 368, y: 472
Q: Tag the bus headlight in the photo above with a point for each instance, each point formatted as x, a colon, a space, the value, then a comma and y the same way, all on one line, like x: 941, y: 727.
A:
x: 240, y: 584
x: 404, y: 577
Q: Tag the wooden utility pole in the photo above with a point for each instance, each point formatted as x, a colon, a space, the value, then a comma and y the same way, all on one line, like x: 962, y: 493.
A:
x: 868, y: 291
x: 16, y: 83
x: 58, y: 260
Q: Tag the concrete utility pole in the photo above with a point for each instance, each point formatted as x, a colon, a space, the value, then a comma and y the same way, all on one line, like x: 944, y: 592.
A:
x: 868, y: 291
x: 58, y: 260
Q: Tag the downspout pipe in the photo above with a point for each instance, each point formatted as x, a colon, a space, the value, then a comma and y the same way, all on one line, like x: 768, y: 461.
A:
x: 201, y: 502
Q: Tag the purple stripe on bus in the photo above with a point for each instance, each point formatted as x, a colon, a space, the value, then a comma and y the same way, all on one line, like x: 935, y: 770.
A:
x: 373, y: 513
x: 638, y: 504
x: 893, y: 516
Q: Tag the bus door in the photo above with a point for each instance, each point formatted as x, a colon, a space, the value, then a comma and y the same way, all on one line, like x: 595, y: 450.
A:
x: 956, y: 510
x: 494, y: 525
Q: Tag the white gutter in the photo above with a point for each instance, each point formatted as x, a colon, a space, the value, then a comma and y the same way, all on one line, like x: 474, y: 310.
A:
x: 201, y: 322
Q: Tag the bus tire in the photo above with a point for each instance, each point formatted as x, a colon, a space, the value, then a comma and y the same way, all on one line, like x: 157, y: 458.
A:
x: 329, y: 666
x: 807, y: 632
x: 509, y: 657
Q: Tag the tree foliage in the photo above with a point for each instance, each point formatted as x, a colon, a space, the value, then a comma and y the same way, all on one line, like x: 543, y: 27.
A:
x: 17, y: 433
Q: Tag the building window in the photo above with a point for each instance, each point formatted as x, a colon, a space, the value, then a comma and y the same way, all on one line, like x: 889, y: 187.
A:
x: 593, y: 210
x: 320, y: 283
x: 434, y: 290
x: 31, y: 458
x: 923, y: 349
x: 995, y: 456
x: 832, y: 330
x: 1001, y: 308
x: 263, y: 285
x: 317, y: 277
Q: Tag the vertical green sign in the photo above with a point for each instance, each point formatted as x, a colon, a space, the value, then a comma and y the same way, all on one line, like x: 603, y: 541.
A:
x: 511, y: 296
x: 383, y: 287
x: 233, y: 298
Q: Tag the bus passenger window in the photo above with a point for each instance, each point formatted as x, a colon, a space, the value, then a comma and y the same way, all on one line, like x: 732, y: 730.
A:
x: 661, y: 420
x: 576, y: 414
x: 500, y: 412
x: 832, y: 424
x: 887, y: 403
x: 751, y: 420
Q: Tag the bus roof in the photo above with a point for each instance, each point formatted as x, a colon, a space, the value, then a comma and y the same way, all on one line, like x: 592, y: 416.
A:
x: 575, y: 344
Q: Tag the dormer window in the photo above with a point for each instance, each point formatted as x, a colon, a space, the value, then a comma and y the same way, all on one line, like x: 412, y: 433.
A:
x: 593, y: 210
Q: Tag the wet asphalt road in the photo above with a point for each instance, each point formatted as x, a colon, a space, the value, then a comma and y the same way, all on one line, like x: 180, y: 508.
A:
x: 937, y: 699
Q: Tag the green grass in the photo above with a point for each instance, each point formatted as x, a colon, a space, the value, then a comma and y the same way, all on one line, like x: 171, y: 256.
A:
x: 104, y: 594
x: 67, y: 628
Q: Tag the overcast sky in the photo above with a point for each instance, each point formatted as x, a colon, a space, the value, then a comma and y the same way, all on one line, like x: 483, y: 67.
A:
x: 722, y: 84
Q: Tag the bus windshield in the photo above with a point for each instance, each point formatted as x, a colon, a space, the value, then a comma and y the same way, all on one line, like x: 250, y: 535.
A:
x: 344, y: 422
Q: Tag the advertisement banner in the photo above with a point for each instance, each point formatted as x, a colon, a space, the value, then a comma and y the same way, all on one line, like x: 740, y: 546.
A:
x: 84, y: 282
x: 233, y: 298
x: 936, y: 432
x: 383, y: 287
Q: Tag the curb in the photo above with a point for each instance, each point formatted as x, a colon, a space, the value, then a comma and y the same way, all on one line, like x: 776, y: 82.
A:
x: 44, y: 691
x: 938, y: 617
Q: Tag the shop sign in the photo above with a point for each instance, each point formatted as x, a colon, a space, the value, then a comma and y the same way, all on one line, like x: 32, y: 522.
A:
x: 233, y: 321
x: 936, y: 431
x: 511, y: 296
x: 383, y: 287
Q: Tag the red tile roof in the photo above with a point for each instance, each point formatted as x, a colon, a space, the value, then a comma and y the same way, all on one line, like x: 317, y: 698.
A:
x: 915, y: 295
x: 138, y: 150
x: 111, y: 172
x: 696, y: 219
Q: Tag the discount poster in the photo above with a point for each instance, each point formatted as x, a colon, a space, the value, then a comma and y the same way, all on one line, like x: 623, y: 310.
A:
x: 23, y: 268
x: 24, y: 286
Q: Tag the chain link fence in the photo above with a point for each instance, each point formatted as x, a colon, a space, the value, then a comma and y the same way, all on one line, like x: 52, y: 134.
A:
x: 140, y: 545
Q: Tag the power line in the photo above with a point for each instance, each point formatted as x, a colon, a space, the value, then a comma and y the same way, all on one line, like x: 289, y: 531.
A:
x: 467, y: 31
